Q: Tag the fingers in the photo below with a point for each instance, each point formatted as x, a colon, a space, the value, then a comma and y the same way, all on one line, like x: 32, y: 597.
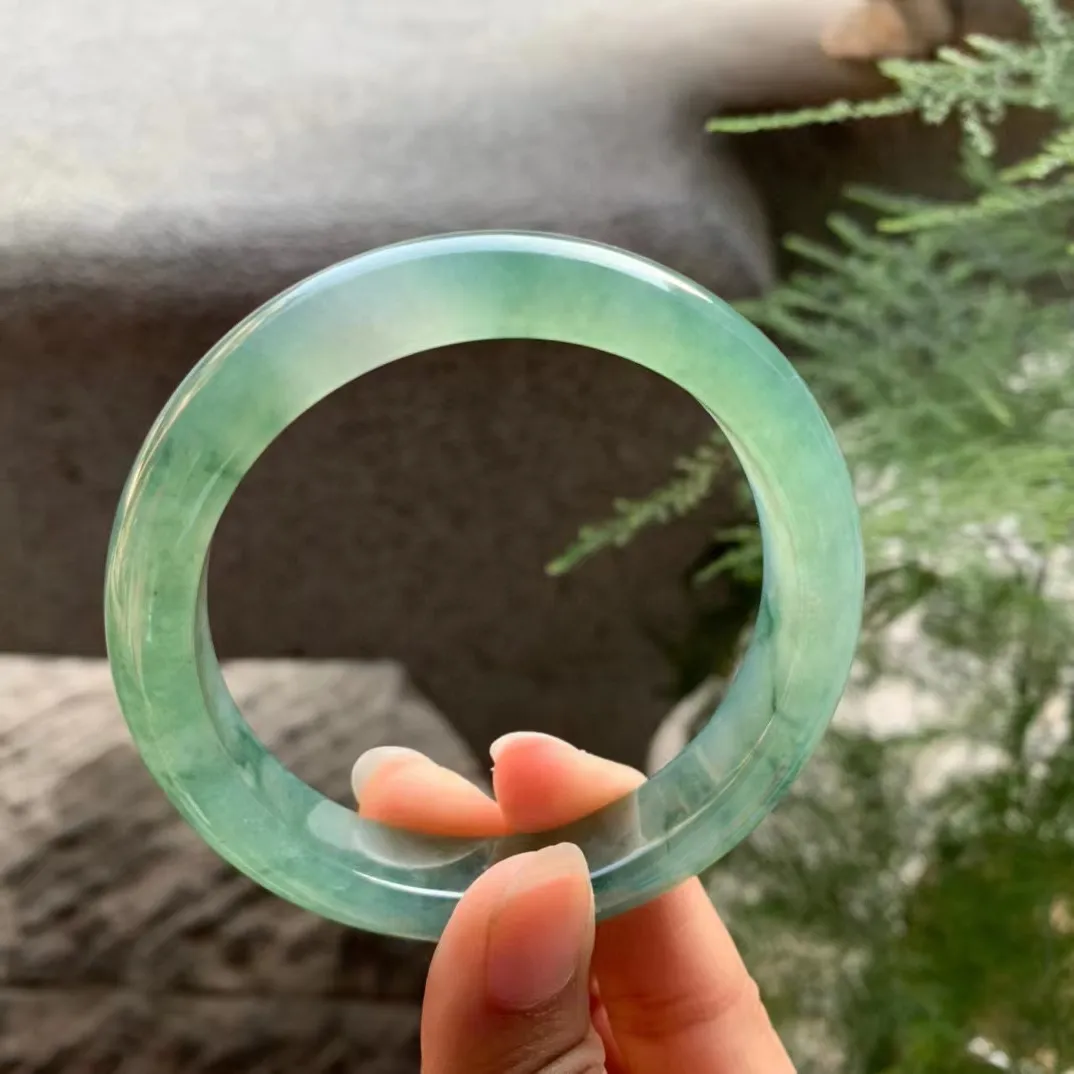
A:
x: 677, y: 993
x: 404, y: 789
x: 508, y: 990
x: 675, y: 988
x: 542, y: 782
x: 613, y: 1057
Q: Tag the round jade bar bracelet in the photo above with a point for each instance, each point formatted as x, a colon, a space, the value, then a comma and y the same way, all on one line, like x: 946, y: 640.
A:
x: 380, y: 307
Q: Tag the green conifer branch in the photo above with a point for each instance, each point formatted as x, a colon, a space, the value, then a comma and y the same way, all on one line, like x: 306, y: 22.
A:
x: 693, y: 480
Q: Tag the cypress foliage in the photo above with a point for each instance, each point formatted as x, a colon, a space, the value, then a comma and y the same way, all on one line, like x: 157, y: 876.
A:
x: 901, y: 924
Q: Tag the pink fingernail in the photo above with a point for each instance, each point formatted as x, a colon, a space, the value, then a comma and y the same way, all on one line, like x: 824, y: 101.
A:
x: 503, y: 741
x: 372, y: 759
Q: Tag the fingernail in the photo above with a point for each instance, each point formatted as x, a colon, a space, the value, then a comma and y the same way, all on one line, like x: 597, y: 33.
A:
x: 371, y: 760
x: 498, y: 746
x: 541, y: 935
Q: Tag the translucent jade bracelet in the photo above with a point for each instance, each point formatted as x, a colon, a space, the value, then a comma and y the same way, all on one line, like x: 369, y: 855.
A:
x: 378, y: 308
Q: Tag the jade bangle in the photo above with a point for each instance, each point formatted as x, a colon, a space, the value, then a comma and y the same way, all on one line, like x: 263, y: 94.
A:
x: 375, y: 309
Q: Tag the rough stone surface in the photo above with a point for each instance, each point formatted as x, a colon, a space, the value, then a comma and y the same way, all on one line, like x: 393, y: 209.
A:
x: 120, y: 931
x: 124, y: 1032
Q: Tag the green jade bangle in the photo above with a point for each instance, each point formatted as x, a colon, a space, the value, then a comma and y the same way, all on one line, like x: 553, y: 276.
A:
x: 382, y: 306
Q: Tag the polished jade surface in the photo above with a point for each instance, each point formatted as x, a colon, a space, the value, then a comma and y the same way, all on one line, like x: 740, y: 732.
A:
x: 383, y: 306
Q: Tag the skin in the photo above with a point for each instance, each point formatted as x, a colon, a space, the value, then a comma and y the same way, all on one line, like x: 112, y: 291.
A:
x: 522, y: 981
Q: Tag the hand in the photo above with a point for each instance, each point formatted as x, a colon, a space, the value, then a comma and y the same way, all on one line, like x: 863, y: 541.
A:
x: 522, y: 982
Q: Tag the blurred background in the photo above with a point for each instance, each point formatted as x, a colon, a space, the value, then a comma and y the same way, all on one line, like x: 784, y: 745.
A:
x: 380, y: 576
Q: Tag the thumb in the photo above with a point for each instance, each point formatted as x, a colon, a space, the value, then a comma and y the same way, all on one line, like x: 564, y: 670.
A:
x: 508, y: 990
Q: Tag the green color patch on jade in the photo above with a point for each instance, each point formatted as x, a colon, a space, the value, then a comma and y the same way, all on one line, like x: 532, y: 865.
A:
x: 383, y: 306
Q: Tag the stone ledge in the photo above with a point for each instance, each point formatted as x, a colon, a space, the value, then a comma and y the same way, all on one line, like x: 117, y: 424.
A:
x: 69, y: 1031
x: 103, y: 885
